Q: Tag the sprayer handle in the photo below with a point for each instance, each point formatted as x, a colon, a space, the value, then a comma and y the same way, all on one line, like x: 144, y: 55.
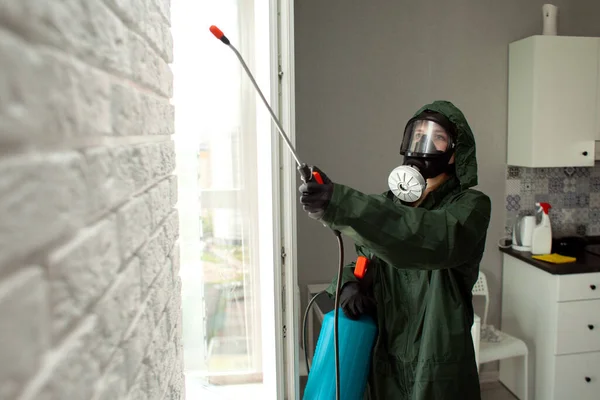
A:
x: 308, y: 175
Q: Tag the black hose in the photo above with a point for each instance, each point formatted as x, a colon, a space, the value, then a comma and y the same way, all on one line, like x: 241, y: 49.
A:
x: 338, y: 236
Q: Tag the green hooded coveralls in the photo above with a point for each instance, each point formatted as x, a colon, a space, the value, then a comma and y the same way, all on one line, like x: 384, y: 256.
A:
x: 424, y: 261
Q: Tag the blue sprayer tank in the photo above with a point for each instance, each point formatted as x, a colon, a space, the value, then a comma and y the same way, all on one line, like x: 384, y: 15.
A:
x: 356, y: 339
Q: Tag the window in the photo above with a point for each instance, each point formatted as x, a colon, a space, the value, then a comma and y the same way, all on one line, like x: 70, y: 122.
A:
x: 228, y: 238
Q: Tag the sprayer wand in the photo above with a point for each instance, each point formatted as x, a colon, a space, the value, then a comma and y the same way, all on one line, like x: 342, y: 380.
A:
x: 307, y: 175
x: 302, y: 167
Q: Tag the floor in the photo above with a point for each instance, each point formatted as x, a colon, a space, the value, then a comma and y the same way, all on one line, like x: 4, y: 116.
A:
x: 495, y: 391
x: 195, y: 390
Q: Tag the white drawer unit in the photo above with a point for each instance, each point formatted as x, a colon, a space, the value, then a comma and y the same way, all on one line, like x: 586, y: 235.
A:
x: 577, y: 377
x: 579, y: 287
x: 558, y: 317
x: 578, y: 327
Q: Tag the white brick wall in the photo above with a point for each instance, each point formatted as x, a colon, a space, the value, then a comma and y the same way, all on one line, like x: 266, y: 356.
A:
x: 90, y: 303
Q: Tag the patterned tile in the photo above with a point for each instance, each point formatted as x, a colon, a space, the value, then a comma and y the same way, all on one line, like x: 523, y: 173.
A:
x: 583, y: 200
x: 570, y: 185
x: 562, y: 222
x: 568, y: 221
x: 568, y: 230
x: 542, y: 173
x: 511, y: 217
x: 569, y: 200
x: 527, y: 173
x: 556, y: 185
x: 594, y: 216
x: 557, y: 201
x: 581, y: 172
x: 581, y: 215
x: 567, y: 216
x: 595, y: 184
x: 583, y: 185
x: 573, y: 193
x: 540, y: 185
x: 527, y: 201
x: 526, y: 185
x: 513, y: 186
x: 513, y: 173
x: 569, y: 171
x: 557, y: 216
x: 558, y: 228
x: 543, y: 198
x: 593, y: 230
x: 513, y: 202
x: 526, y: 211
x: 595, y: 200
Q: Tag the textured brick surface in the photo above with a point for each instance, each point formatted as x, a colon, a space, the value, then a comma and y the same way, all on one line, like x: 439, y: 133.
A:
x: 175, y: 262
x: 173, y: 190
x: 31, y: 85
x: 139, y: 113
x: 63, y: 376
x: 136, y: 342
x: 80, y: 272
x: 27, y: 335
x: 113, y: 384
x: 153, y: 258
x: 158, y: 295
x: 116, y: 310
x: 134, y: 222
x: 50, y: 192
x: 135, y: 167
x: 160, y: 201
x: 106, y: 189
x: 84, y: 28
x: 89, y: 285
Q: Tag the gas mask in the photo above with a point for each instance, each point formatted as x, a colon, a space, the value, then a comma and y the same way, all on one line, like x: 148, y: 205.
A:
x: 427, y: 147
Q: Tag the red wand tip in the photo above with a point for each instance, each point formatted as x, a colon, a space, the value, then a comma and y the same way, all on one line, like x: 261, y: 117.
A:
x: 219, y: 34
x: 216, y: 31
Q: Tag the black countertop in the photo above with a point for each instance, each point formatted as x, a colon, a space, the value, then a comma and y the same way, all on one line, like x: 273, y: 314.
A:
x: 585, y: 263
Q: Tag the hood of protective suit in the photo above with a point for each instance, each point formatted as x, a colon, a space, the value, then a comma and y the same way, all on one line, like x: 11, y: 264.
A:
x: 465, y: 157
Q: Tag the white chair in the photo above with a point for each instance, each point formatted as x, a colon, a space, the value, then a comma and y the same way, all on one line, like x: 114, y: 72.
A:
x: 507, y: 347
x: 476, y: 335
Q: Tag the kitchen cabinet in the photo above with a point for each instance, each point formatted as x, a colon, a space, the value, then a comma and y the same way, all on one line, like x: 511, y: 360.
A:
x: 557, y: 316
x: 598, y: 102
x: 553, y: 107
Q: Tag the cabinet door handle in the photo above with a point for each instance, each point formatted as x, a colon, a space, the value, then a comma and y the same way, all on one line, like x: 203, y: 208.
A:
x: 591, y: 327
x: 588, y: 379
x: 585, y: 153
x: 593, y: 287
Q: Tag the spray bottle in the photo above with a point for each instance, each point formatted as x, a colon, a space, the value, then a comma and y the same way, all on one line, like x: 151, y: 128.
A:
x: 356, y: 338
x: 541, y: 240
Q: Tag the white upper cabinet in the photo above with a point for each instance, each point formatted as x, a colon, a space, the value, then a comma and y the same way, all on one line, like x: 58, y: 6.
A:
x: 553, y: 107
x: 598, y: 98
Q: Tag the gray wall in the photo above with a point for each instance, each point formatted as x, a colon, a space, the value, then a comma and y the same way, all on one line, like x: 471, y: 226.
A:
x: 364, y: 67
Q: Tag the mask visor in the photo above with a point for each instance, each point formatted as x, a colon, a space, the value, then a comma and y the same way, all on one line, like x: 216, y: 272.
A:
x: 425, y: 138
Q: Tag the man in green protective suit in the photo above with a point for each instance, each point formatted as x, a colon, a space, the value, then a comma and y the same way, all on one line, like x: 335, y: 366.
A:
x: 424, y: 248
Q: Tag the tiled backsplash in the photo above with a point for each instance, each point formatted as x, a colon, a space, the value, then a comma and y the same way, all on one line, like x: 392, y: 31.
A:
x: 573, y: 193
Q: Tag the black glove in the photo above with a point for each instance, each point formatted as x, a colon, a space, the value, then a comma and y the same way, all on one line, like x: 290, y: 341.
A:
x: 315, y: 196
x: 355, y: 301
